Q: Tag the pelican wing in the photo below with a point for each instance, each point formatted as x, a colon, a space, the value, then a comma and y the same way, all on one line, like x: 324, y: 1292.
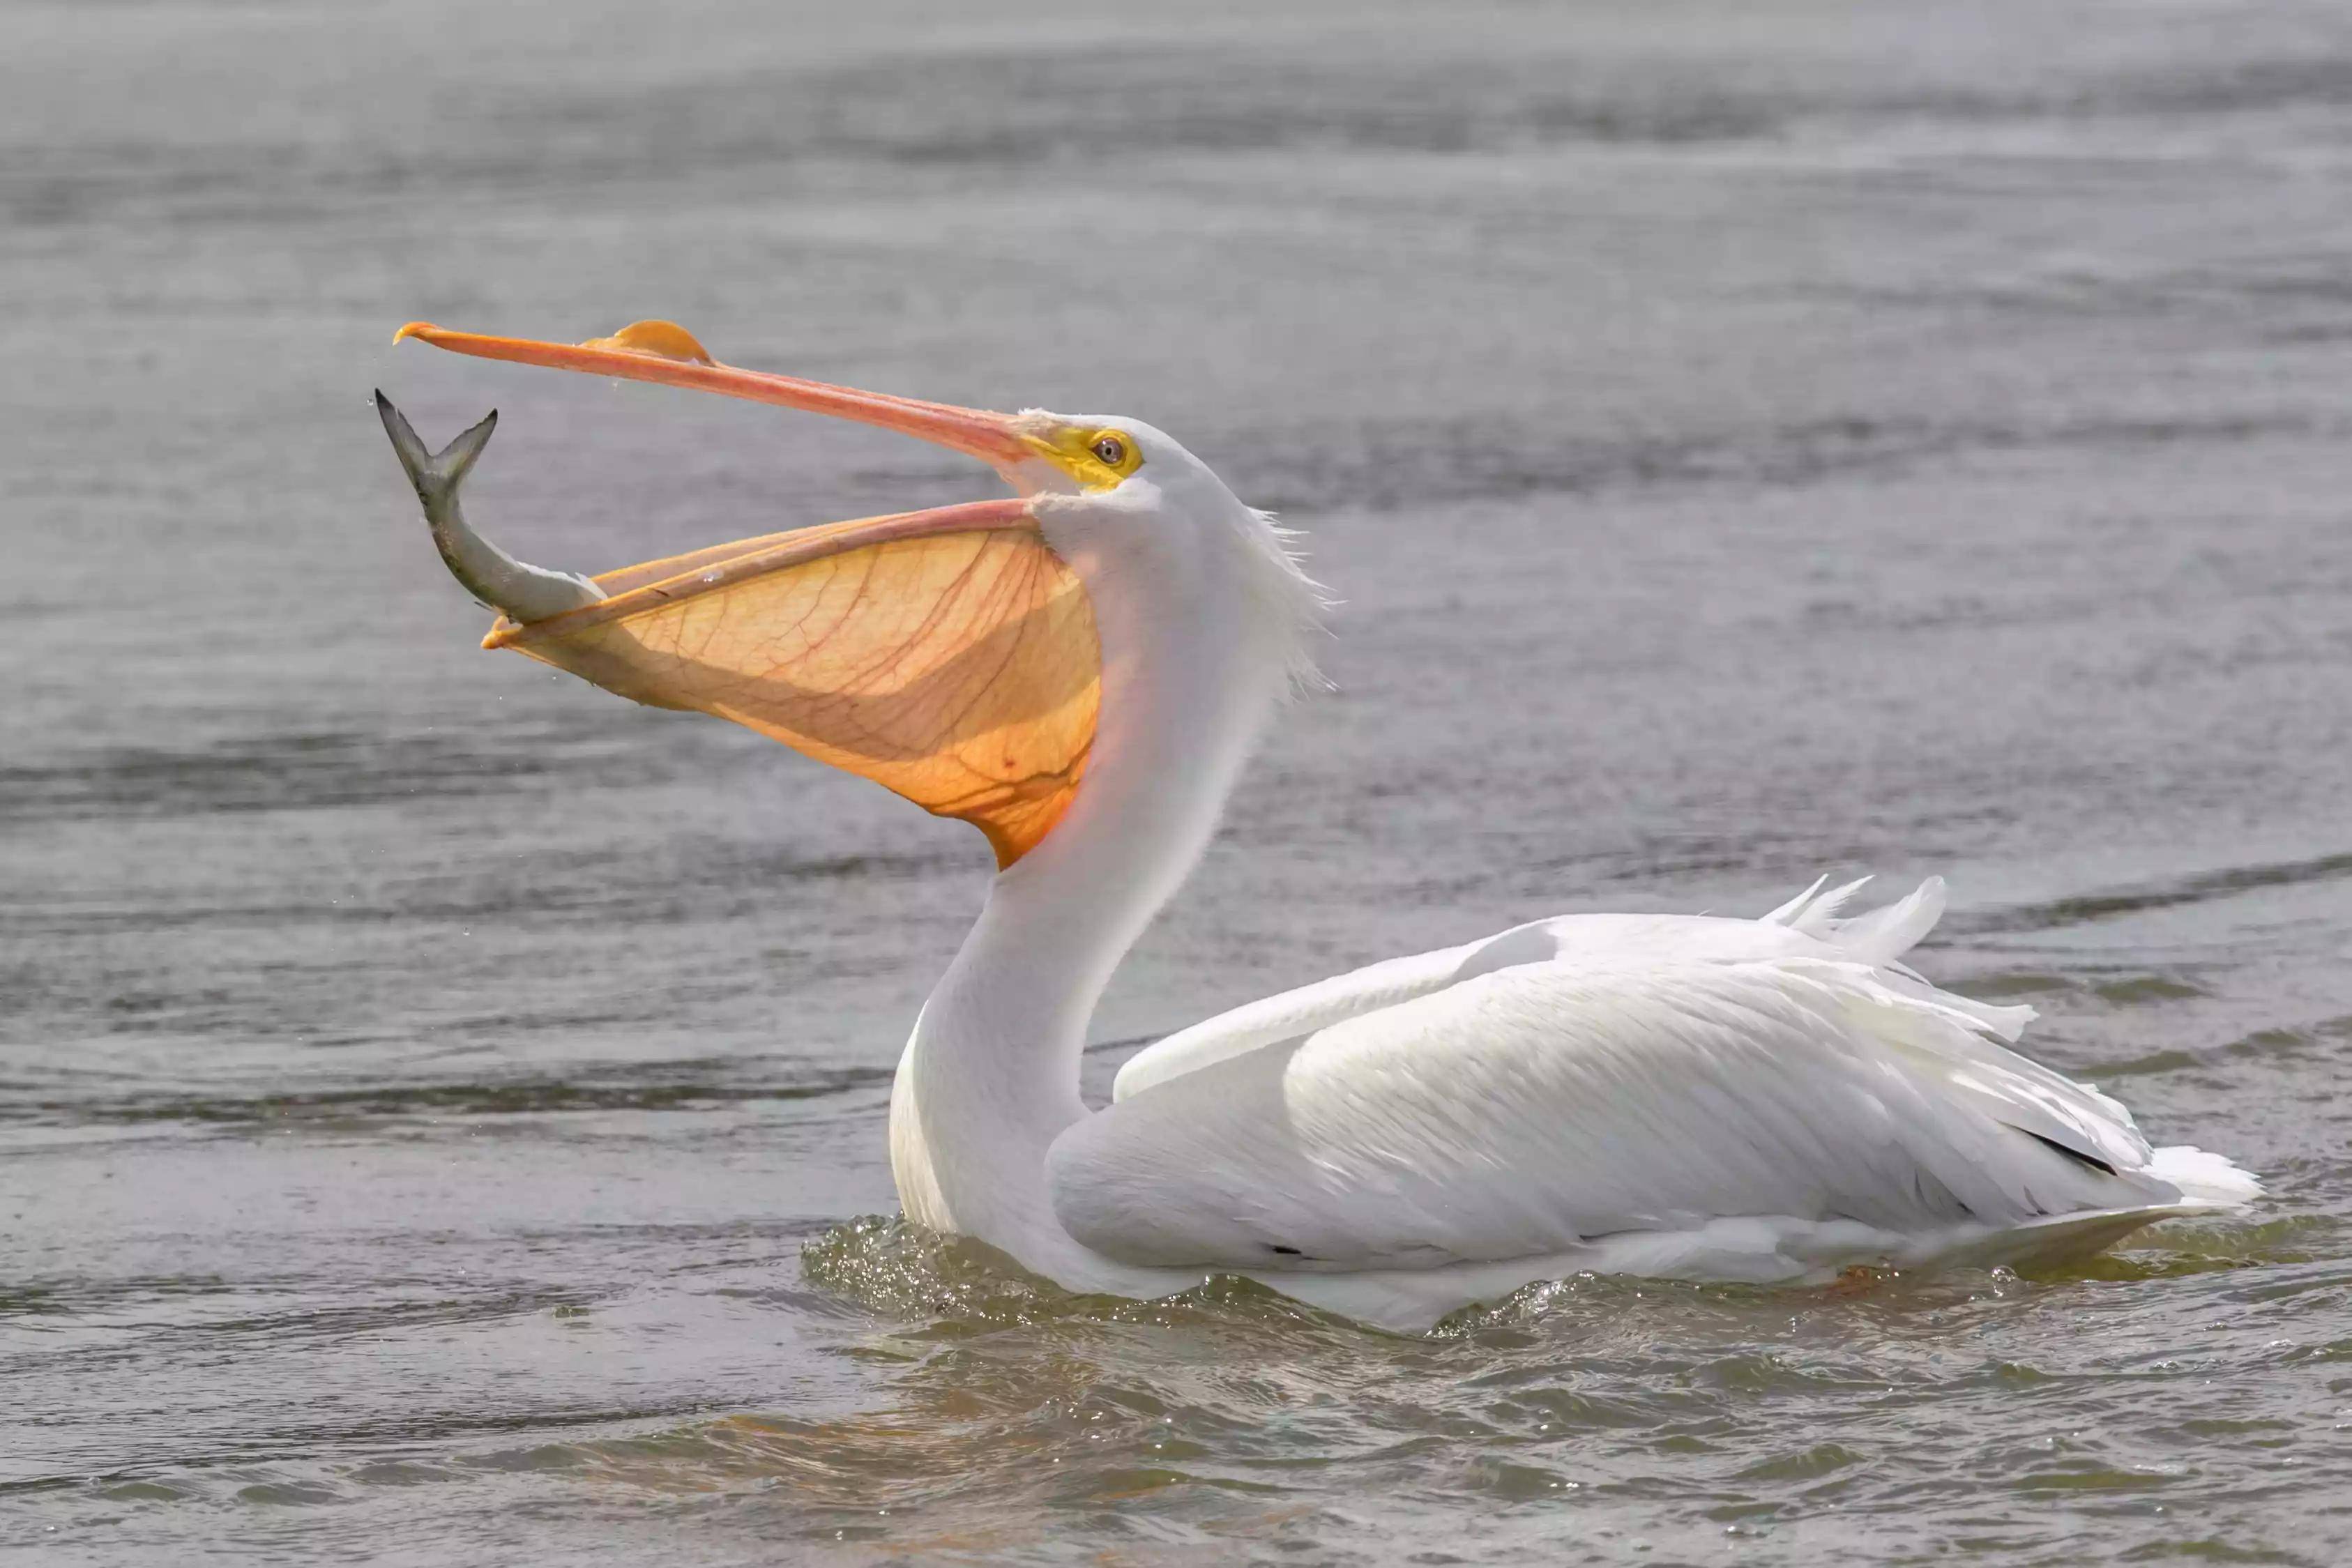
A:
x: 1806, y: 925
x: 1646, y: 1073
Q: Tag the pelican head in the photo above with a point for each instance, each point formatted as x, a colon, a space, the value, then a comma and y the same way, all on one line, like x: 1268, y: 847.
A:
x: 958, y: 655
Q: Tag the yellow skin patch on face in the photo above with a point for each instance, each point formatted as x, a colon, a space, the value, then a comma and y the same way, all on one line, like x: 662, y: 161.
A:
x: 1096, y: 456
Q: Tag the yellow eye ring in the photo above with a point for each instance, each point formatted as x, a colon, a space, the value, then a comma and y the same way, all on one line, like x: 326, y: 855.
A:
x: 1098, y: 457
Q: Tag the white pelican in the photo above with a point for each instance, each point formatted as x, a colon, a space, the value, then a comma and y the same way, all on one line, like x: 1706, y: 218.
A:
x: 1080, y: 670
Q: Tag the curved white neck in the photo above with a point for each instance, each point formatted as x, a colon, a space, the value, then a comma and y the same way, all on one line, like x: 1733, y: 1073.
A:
x: 990, y: 1075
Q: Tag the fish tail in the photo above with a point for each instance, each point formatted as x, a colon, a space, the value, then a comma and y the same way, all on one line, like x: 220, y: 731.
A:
x: 435, y: 475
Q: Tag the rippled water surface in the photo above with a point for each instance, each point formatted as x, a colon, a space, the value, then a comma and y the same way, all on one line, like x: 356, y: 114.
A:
x: 1751, y: 440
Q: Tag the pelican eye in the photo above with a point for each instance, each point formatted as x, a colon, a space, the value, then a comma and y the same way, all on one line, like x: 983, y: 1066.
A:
x: 1101, y: 458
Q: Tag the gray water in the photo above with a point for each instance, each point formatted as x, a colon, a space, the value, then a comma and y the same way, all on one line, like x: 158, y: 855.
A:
x: 439, y: 1100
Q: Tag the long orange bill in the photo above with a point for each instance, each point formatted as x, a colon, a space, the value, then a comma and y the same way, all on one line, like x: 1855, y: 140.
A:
x: 948, y: 654
x: 666, y: 354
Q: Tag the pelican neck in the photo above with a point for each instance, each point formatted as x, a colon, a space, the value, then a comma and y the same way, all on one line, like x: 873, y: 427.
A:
x: 990, y: 1076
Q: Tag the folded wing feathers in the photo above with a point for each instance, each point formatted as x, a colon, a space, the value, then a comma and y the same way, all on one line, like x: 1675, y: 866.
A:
x: 1790, y: 913
x: 1881, y: 936
x: 1507, y: 1123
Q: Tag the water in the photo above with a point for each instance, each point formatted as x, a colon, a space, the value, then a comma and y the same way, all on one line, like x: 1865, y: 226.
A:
x: 1751, y: 440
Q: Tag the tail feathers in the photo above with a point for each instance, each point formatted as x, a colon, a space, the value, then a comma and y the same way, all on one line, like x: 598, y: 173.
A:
x: 2042, y: 1243
x: 2206, y: 1179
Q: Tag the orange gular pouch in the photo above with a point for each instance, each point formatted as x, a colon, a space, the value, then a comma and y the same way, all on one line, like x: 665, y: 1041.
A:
x: 949, y: 655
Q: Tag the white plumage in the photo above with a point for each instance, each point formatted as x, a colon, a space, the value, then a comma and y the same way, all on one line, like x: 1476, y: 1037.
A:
x: 1587, y: 1078
x: 1762, y: 1100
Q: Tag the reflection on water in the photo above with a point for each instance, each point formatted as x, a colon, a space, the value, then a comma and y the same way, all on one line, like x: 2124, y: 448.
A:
x: 1015, y: 1413
x: 1751, y: 442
